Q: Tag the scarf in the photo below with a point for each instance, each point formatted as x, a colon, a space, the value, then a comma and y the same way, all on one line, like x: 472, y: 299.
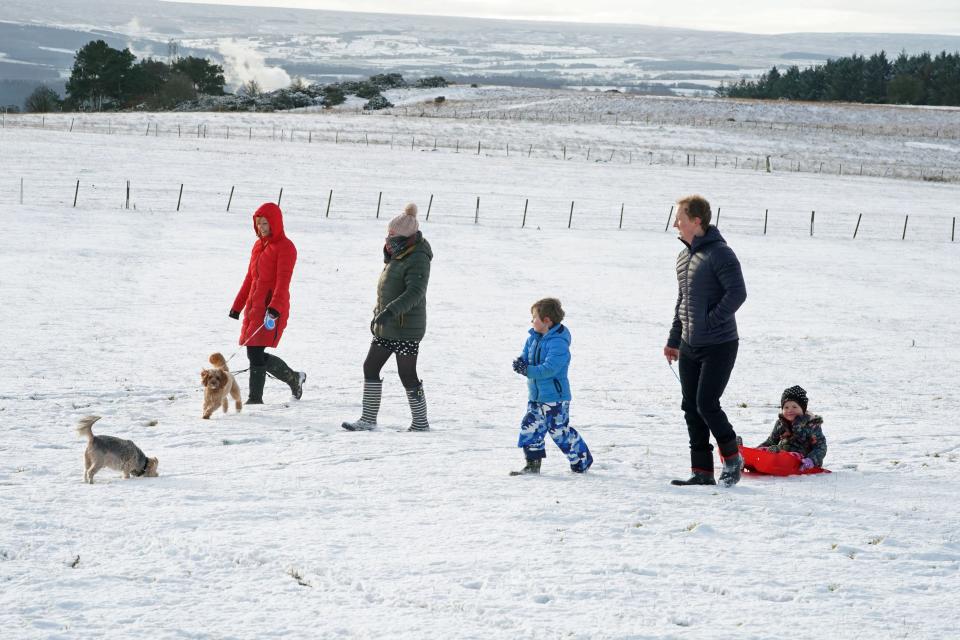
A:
x: 395, y: 246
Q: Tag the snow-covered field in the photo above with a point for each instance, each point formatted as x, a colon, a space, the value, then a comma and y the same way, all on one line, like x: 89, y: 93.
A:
x: 276, y: 522
x: 820, y: 138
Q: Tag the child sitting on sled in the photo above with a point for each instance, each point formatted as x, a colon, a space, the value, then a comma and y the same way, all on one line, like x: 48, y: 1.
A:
x: 795, y: 446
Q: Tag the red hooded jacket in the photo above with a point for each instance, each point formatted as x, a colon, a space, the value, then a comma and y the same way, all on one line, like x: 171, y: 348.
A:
x: 268, y: 281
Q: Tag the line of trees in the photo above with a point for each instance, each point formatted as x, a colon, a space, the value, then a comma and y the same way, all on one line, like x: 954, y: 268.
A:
x: 108, y: 78
x: 920, y: 79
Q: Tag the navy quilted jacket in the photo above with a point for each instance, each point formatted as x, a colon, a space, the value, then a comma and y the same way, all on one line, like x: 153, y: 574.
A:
x: 711, y: 289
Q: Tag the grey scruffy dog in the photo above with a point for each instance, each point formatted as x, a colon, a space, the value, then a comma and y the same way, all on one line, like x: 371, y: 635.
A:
x: 115, y: 453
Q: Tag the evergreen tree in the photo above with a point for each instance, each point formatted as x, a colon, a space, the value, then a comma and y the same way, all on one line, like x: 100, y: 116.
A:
x: 100, y: 74
x: 876, y: 76
x: 147, y: 79
x: 206, y: 76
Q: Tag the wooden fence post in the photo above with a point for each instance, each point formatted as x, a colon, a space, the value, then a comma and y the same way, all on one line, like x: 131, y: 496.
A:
x: 857, y: 228
x: 429, y: 206
x: 180, y: 197
x: 329, y: 200
x: 669, y: 218
x: 230, y: 199
x: 76, y: 191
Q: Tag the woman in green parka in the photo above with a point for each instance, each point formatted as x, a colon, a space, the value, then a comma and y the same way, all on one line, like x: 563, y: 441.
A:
x: 400, y: 320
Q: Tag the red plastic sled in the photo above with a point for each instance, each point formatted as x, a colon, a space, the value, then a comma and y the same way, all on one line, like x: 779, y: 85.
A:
x: 780, y: 463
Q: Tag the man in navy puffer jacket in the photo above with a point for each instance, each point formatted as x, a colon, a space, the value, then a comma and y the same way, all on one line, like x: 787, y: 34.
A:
x: 704, y: 339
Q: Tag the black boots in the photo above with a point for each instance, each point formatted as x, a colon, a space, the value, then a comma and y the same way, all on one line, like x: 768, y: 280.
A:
x: 532, y: 466
x: 372, y: 392
x: 698, y: 478
x: 732, y: 467
x: 279, y: 370
x: 258, y: 375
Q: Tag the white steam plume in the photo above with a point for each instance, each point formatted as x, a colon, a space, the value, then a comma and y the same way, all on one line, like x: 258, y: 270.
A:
x: 242, y: 63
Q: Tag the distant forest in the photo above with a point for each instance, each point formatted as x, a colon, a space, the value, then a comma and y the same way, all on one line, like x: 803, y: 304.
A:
x: 920, y: 79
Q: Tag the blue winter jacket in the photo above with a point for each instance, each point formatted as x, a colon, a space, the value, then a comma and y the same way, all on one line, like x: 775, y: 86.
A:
x: 548, y: 358
x: 711, y: 289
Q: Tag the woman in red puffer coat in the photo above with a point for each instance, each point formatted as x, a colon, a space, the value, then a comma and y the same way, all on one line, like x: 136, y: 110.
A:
x: 264, y: 299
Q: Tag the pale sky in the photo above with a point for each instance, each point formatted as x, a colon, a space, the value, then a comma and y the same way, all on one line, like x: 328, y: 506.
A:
x: 753, y: 16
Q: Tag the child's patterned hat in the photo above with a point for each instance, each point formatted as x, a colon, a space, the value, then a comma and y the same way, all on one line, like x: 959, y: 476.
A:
x: 797, y: 394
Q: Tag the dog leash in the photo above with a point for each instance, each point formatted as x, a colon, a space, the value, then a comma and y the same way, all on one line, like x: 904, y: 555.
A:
x: 245, y: 344
x: 670, y: 364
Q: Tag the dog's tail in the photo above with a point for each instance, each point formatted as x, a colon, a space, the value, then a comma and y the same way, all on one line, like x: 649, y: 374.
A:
x: 217, y: 360
x: 85, y: 426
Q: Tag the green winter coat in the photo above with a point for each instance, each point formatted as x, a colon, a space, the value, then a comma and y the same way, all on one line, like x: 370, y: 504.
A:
x: 804, y: 436
x: 403, y: 290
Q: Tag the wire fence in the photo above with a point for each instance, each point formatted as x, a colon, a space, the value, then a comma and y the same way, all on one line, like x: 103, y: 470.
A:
x: 493, y: 146
x: 504, y: 209
x: 522, y: 114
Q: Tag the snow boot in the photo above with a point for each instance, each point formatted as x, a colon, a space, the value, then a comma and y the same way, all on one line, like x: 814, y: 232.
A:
x: 372, y: 392
x: 698, y: 478
x: 258, y: 375
x: 418, y: 408
x: 732, y: 468
x: 279, y: 370
x: 532, y: 467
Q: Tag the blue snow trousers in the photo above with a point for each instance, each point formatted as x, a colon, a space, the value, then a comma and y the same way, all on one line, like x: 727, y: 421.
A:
x: 542, y: 418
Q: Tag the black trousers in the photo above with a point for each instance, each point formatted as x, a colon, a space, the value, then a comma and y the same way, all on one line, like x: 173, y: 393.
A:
x: 704, y: 373
x: 257, y: 356
x: 406, y: 366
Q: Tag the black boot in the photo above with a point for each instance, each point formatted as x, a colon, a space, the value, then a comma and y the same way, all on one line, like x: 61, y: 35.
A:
x: 258, y: 375
x: 532, y: 466
x: 732, y: 467
x: 698, y: 478
x: 279, y: 370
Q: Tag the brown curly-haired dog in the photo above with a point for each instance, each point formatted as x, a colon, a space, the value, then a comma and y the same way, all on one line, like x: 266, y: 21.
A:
x: 218, y: 383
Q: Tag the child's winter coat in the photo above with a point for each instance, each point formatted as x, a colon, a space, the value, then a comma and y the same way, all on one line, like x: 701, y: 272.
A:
x: 804, y: 436
x: 548, y: 358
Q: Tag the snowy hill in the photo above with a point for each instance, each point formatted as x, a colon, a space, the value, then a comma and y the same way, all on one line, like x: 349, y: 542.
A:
x: 276, y: 522
x: 268, y: 43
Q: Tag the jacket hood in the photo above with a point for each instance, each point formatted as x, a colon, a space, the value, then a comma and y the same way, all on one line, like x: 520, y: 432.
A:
x: 274, y: 216
x: 557, y: 332
x: 712, y: 235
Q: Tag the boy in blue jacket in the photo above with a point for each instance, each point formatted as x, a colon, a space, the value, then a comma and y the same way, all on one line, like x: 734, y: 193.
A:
x: 544, y: 362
